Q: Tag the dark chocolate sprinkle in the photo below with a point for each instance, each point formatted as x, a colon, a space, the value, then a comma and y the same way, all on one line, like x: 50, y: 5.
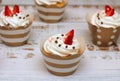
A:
x: 98, y: 18
x: 56, y: 41
x: 23, y: 17
x: 101, y: 22
x: 62, y: 34
x: 73, y: 47
x: 98, y: 15
x: 16, y: 15
x: 59, y: 45
x: 19, y: 17
x: 57, y: 37
x: 66, y: 46
x: 27, y: 15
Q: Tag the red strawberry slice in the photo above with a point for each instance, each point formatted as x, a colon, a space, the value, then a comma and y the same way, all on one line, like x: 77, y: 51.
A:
x: 7, y: 12
x: 69, y: 37
x: 107, y: 8
x: 109, y: 11
x: 15, y: 9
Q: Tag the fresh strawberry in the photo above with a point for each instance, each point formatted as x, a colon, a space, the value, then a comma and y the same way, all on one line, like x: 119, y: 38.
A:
x: 15, y: 9
x: 69, y: 37
x: 109, y: 11
x: 7, y: 12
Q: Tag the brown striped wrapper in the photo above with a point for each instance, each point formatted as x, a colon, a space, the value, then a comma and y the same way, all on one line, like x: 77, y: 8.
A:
x: 106, y: 34
x: 15, y: 36
x: 47, y: 14
x: 61, y: 58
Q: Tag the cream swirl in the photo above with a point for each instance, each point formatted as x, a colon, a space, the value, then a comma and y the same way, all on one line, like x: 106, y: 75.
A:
x: 55, y: 45
x: 100, y: 19
x: 48, y: 2
x: 17, y: 20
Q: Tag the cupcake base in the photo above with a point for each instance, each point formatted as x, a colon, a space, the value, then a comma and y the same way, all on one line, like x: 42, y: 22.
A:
x: 62, y: 65
x: 50, y: 13
x: 102, y: 36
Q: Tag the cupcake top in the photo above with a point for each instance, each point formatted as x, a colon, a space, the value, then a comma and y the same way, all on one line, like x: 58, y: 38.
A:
x: 14, y: 18
x: 58, y: 3
x: 62, y: 44
x: 106, y: 18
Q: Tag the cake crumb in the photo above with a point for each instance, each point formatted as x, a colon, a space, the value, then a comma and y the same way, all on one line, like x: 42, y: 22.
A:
x: 29, y: 55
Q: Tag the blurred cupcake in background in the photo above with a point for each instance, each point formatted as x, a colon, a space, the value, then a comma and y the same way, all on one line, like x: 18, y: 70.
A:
x: 104, y: 26
x: 14, y: 25
x: 51, y: 11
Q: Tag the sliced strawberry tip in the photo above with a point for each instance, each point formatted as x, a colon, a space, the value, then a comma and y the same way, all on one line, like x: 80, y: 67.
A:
x: 16, y: 9
x: 110, y: 13
x: 109, y: 10
x: 7, y: 12
x: 69, y: 37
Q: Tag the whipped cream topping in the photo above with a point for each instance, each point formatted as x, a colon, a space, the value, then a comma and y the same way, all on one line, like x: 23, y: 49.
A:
x: 48, y: 2
x: 55, y: 45
x: 17, y: 20
x: 100, y: 19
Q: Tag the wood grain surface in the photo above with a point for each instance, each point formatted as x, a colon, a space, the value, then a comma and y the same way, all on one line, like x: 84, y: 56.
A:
x: 25, y: 63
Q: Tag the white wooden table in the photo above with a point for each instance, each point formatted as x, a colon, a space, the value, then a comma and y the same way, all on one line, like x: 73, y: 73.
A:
x: 25, y: 63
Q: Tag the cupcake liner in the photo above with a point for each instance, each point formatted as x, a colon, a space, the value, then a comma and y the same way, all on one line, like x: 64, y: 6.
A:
x: 62, y: 65
x: 102, y: 36
x: 15, y: 37
x: 50, y: 13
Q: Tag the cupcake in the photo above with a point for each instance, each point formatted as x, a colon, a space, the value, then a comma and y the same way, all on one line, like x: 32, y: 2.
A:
x: 51, y: 11
x: 62, y: 53
x: 14, y: 26
x: 104, y: 26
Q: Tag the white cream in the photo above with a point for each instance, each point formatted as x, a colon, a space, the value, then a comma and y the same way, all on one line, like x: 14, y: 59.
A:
x: 15, y: 21
x: 102, y: 20
x: 48, y: 2
x: 59, y: 48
